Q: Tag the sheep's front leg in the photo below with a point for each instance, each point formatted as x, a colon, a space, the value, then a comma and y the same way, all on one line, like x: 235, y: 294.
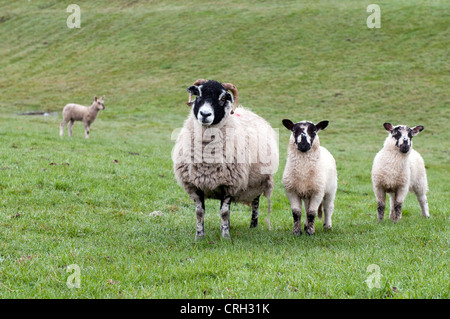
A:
x: 199, y: 200
x: 311, y: 207
x: 69, y: 127
x: 255, y: 212
x: 296, y: 207
x: 396, y: 203
x: 86, y: 129
x: 380, y: 195
x: 225, y: 215
x: 61, y: 127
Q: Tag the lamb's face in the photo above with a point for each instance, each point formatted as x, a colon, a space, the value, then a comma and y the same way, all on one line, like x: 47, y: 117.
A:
x: 304, y: 133
x: 99, y: 103
x: 401, y: 136
x: 213, y: 102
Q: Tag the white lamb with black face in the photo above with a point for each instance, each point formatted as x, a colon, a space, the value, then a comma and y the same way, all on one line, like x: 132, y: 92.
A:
x: 398, y: 169
x: 310, y: 175
x: 225, y: 153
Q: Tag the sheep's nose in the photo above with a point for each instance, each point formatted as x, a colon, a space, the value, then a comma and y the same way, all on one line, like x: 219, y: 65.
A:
x: 205, y: 114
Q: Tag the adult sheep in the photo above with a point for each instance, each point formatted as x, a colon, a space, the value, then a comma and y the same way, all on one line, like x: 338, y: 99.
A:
x: 224, y: 152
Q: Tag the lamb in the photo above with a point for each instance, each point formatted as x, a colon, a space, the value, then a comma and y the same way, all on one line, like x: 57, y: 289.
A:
x: 397, y: 169
x: 310, y: 175
x: 86, y: 114
x: 224, y: 152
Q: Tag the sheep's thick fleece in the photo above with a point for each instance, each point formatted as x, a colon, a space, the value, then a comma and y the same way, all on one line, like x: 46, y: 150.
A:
x: 391, y: 170
x: 245, y: 175
x: 311, y: 172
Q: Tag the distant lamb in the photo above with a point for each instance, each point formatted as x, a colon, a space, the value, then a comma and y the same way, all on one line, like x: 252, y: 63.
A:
x: 86, y: 114
x: 225, y: 153
x: 397, y: 169
x: 310, y: 175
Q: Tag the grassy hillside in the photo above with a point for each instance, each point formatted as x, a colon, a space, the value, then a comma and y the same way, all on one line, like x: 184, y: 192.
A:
x: 91, y: 202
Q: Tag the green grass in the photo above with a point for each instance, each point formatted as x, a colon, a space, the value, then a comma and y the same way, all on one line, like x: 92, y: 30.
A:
x: 89, y: 202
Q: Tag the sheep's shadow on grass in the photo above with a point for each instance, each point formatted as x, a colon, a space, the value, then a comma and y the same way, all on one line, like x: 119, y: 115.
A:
x: 279, y: 235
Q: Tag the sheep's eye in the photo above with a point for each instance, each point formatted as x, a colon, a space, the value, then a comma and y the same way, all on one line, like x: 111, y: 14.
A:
x: 222, y: 98
x: 397, y: 135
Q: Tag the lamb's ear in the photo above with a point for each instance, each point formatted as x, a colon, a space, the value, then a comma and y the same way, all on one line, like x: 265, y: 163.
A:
x: 388, y: 127
x: 288, y: 124
x: 102, y: 98
x: 193, y: 89
x: 321, y: 125
x: 416, y: 129
x: 95, y: 98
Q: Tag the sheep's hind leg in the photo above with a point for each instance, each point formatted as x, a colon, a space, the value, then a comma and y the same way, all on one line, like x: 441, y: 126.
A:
x: 255, y: 212
x: 328, y: 207
x: 423, y: 202
x: 225, y: 216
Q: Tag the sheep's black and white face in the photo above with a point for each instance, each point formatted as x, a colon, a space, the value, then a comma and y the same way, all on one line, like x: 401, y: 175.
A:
x: 212, y: 104
x: 402, y: 135
x: 304, y: 133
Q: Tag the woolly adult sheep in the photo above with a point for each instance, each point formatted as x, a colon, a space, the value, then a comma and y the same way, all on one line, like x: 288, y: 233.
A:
x: 310, y: 175
x: 398, y: 169
x: 86, y: 114
x: 224, y: 152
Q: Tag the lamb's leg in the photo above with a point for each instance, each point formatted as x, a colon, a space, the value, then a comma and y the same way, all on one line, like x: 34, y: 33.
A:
x: 296, y: 207
x: 255, y: 212
x: 225, y: 216
x: 380, y: 195
x: 86, y: 130
x: 423, y: 202
x: 69, y: 127
x: 199, y: 199
x: 61, y: 127
x: 311, y: 207
x: 328, y: 207
x: 320, y: 211
x: 397, y: 202
x: 392, y: 204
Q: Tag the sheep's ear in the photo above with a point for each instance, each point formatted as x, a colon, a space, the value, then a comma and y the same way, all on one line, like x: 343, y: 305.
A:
x: 416, y: 129
x: 321, y: 125
x: 95, y: 98
x: 102, y: 98
x: 288, y: 124
x: 388, y: 127
x: 193, y: 89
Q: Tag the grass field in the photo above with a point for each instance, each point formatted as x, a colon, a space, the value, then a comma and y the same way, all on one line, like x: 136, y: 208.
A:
x: 91, y: 203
